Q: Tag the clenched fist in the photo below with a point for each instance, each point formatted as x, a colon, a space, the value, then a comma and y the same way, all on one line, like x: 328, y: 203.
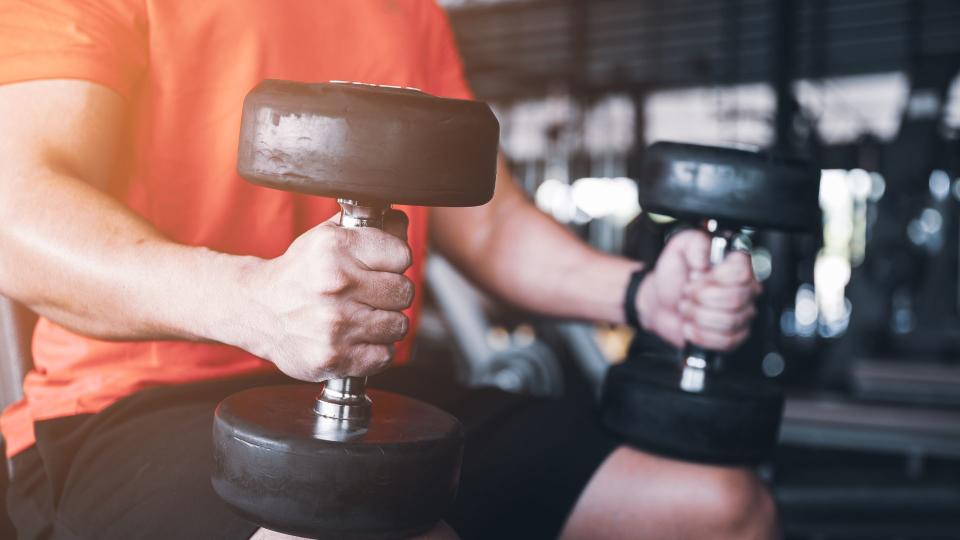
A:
x: 332, y: 303
x: 685, y: 300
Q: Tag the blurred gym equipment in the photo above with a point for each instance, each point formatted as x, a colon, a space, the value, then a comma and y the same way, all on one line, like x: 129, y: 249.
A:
x: 516, y: 361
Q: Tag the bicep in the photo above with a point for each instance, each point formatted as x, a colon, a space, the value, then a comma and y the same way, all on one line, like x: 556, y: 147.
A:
x: 459, y: 232
x: 72, y: 127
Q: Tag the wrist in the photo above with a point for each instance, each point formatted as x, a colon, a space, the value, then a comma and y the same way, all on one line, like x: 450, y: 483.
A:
x: 630, y: 305
x: 646, y: 302
x: 231, y: 310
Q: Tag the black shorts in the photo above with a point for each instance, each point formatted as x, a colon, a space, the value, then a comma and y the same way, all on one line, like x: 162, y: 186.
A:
x: 141, y: 467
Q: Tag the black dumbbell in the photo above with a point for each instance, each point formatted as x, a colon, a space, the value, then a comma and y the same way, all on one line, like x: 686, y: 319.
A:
x: 688, y: 407
x: 338, y: 460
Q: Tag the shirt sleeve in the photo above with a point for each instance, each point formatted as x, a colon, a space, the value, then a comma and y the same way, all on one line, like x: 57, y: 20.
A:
x: 445, y: 66
x: 102, y: 41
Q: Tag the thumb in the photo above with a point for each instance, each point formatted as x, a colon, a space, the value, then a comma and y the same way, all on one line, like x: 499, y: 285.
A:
x: 333, y: 220
x: 694, y: 247
x: 395, y: 222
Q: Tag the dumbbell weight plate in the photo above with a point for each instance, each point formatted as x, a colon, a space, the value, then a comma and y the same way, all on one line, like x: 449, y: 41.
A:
x: 275, y: 462
x: 732, y: 421
x: 733, y: 186
x: 368, y: 143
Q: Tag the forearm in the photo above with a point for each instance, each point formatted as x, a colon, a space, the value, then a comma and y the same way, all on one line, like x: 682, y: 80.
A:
x: 82, y: 259
x: 521, y: 255
x: 541, y: 266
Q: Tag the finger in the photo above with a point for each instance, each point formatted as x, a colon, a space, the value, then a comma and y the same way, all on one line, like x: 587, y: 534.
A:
x: 684, y: 257
x: 376, y: 250
x: 669, y: 327
x: 384, y: 290
x: 718, y: 320
x: 368, y: 359
x: 380, y: 327
x: 713, y: 340
x: 727, y: 298
x: 395, y: 222
x: 734, y: 270
x: 694, y: 247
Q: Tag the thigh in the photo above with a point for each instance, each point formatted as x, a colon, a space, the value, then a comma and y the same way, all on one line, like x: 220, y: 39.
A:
x: 149, y: 477
x: 141, y: 469
x: 526, y: 459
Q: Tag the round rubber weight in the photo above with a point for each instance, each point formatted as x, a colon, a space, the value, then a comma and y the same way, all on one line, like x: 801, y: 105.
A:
x: 369, y: 143
x: 278, y: 466
x: 736, y: 187
x: 732, y: 422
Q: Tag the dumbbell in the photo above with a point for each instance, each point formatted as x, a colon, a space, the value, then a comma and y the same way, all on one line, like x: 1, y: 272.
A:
x: 337, y: 460
x: 689, y: 407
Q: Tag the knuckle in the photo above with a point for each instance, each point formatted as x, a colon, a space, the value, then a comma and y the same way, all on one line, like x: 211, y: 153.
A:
x: 337, y: 281
x: 378, y: 356
x: 338, y: 323
x: 332, y: 239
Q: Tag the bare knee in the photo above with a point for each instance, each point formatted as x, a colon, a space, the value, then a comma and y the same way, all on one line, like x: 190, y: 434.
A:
x: 441, y: 532
x: 733, y: 503
x: 267, y: 534
x: 635, y: 494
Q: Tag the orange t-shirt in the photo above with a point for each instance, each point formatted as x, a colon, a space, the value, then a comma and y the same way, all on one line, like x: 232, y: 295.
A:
x: 184, y: 66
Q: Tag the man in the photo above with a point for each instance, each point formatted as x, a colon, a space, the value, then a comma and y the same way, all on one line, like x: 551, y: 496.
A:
x: 165, y: 282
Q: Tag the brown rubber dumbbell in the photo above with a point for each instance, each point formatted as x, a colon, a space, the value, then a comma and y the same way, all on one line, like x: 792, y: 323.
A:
x: 337, y: 460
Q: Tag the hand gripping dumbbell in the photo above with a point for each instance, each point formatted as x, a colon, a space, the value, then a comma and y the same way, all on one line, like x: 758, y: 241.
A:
x: 339, y: 460
x: 689, y: 407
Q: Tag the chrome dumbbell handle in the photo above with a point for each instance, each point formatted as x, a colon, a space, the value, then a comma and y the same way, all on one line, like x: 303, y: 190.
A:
x: 346, y: 399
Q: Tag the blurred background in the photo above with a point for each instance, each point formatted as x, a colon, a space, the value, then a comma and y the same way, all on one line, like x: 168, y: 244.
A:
x: 860, y: 323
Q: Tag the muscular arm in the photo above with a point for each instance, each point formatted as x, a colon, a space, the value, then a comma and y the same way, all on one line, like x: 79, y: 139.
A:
x: 329, y: 306
x: 71, y: 252
x: 518, y: 253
